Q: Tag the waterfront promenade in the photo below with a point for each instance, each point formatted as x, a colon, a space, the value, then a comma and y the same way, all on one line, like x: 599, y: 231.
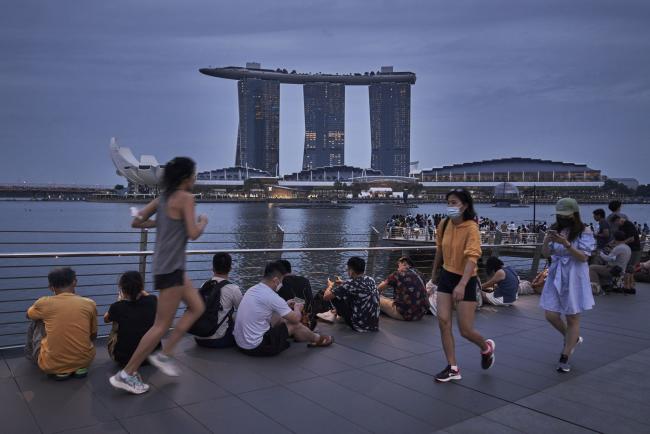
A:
x: 374, y: 382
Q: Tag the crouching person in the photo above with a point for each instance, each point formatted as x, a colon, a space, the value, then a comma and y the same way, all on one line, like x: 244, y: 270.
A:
x: 503, y: 286
x: 60, y: 338
x: 265, y: 321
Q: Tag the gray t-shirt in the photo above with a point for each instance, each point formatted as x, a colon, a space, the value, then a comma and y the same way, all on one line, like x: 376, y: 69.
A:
x: 620, y: 255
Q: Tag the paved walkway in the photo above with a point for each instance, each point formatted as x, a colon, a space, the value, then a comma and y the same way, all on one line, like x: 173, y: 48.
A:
x: 380, y: 382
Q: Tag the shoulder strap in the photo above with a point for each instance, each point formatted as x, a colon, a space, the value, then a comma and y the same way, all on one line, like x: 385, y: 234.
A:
x: 226, y: 316
x: 215, y: 291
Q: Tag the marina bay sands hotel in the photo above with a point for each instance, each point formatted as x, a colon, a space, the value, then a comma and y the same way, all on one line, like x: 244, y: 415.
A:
x: 258, y: 137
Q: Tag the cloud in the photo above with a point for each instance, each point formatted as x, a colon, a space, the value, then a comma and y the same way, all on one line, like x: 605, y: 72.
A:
x: 498, y: 78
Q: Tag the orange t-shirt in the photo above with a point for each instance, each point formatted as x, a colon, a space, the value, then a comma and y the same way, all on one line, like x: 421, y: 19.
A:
x: 70, y: 320
x: 461, y: 243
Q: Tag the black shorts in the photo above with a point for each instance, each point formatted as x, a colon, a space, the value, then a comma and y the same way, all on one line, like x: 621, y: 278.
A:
x: 164, y: 281
x: 449, y: 280
x: 273, y: 343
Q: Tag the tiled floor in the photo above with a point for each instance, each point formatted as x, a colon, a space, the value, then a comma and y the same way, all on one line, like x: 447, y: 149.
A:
x: 378, y: 382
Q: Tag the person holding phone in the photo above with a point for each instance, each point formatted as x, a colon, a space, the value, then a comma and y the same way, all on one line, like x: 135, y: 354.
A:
x: 458, y: 248
x: 567, y: 291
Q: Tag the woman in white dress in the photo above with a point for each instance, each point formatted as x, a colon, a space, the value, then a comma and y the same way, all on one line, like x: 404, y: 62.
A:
x: 567, y: 291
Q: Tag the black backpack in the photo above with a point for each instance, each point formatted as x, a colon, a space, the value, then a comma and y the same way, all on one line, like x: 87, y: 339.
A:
x: 208, y: 323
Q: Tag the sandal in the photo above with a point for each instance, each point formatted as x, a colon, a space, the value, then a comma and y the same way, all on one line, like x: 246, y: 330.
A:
x: 323, y: 341
x: 80, y: 373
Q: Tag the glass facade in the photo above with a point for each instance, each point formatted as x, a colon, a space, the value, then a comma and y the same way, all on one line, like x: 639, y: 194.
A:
x: 324, y: 125
x: 258, y: 136
x: 390, y: 127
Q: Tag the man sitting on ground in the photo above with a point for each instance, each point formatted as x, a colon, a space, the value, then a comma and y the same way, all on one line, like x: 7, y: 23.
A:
x: 618, y: 257
x: 356, y: 300
x: 265, y: 321
x: 225, y: 298
x: 294, y: 286
x: 60, y: 338
x: 503, y: 286
x: 409, y: 302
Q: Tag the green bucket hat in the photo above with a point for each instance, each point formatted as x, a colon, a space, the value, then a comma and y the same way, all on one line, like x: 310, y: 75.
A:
x: 566, y: 206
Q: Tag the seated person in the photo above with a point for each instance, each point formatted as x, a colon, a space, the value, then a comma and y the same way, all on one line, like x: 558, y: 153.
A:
x: 225, y: 303
x: 502, y: 287
x: 132, y: 316
x: 356, y: 300
x: 265, y: 321
x: 619, y: 256
x: 60, y: 338
x: 642, y: 272
x: 294, y: 286
x: 409, y: 302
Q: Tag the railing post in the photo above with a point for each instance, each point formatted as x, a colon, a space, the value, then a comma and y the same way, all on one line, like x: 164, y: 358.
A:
x: 278, y: 243
x: 537, y: 256
x: 144, y: 234
x: 498, y: 239
x: 372, y: 254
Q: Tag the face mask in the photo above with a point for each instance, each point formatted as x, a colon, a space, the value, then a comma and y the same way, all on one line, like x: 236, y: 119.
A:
x: 453, y: 212
x: 564, y: 222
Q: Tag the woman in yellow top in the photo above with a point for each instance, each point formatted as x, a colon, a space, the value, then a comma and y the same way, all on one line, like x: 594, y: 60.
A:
x: 454, y: 269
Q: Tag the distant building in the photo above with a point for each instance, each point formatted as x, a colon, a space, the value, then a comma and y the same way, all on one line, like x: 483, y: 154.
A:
x: 237, y: 173
x: 258, y: 136
x: 144, y: 172
x: 390, y: 128
x: 259, y: 102
x: 324, y: 125
x: 517, y: 171
x: 331, y: 174
x: 630, y: 183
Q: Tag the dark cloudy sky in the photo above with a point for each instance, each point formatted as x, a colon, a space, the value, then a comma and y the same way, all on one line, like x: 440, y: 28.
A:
x: 559, y: 79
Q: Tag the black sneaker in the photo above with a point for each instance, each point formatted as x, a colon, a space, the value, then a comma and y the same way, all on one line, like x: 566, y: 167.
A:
x: 563, y: 365
x: 487, y: 359
x: 448, y: 374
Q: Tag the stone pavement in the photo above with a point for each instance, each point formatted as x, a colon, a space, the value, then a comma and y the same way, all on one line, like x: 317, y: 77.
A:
x: 378, y: 382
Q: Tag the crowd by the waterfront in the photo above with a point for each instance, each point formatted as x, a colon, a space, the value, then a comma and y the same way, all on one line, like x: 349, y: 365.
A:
x: 283, y: 306
x: 424, y: 225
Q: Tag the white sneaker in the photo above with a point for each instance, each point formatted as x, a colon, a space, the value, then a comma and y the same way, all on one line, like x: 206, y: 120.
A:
x: 165, y: 363
x: 580, y: 340
x: 131, y: 383
x: 329, y: 316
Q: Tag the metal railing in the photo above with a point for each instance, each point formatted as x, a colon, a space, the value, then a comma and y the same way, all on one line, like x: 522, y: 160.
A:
x: 23, y: 274
x: 426, y: 234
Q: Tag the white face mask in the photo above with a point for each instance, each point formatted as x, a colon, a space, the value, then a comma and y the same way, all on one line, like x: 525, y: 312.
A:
x: 453, y: 212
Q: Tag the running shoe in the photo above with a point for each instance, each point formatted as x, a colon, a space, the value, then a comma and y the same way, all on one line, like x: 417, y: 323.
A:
x: 131, y: 383
x: 165, y: 363
x: 448, y: 374
x: 580, y: 341
x: 487, y: 359
x: 563, y: 365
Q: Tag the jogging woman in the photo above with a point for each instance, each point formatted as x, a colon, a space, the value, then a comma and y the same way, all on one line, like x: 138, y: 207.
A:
x: 567, y: 290
x: 175, y: 223
x: 454, y: 268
